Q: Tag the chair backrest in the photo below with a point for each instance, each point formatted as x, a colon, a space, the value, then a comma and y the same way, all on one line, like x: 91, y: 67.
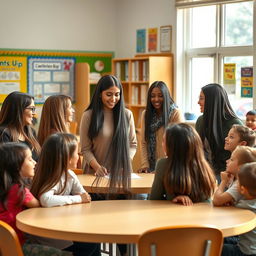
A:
x: 9, y: 241
x: 180, y: 241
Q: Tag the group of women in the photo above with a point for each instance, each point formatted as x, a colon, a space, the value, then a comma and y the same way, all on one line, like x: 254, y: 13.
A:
x: 107, y: 130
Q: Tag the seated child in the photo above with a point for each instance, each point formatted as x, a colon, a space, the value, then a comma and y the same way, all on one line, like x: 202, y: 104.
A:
x: 246, y: 198
x: 251, y: 119
x: 16, y: 163
x: 184, y: 176
x: 239, y: 135
x: 55, y: 184
x: 240, y: 156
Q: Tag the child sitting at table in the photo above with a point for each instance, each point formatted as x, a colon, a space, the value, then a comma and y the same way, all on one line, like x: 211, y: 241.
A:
x: 251, y: 119
x: 239, y: 135
x: 16, y: 163
x: 240, y: 156
x: 246, y: 198
x: 184, y: 176
x: 55, y: 184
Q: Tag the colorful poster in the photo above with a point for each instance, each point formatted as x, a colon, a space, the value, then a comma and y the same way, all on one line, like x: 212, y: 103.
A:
x: 152, y: 39
x: 229, y: 78
x: 13, y: 75
x: 141, y: 40
x: 246, y: 82
x: 48, y: 76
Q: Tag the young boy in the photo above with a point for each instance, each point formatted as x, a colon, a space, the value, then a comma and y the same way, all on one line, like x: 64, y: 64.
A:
x: 241, y: 155
x: 239, y: 135
x: 246, y: 198
x: 251, y: 119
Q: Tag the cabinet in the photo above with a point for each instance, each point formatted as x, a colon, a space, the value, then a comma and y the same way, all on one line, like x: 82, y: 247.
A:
x: 137, y: 74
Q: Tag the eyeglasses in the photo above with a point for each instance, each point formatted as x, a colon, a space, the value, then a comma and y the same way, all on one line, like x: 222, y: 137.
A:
x: 33, y: 109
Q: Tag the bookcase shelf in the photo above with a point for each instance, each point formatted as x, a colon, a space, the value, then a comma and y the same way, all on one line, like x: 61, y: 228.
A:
x: 137, y: 74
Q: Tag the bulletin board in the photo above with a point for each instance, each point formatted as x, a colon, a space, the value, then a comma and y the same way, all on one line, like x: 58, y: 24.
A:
x: 44, y: 72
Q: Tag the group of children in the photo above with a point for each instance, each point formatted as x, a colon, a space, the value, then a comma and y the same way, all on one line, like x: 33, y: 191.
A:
x: 182, y: 173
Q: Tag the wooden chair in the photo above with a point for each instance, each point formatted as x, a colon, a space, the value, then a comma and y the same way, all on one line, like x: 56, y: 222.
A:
x: 180, y: 241
x: 78, y: 171
x: 9, y: 241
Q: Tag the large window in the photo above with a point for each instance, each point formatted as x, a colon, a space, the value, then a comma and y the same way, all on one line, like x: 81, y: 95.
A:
x: 207, y: 38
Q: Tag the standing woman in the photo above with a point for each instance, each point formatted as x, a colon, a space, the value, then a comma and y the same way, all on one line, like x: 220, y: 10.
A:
x: 107, y: 134
x: 57, y: 113
x: 16, y: 118
x: 213, y: 126
x: 160, y: 111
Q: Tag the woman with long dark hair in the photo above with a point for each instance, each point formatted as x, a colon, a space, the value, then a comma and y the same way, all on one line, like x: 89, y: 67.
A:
x: 107, y: 134
x: 16, y: 117
x: 160, y: 111
x: 213, y: 126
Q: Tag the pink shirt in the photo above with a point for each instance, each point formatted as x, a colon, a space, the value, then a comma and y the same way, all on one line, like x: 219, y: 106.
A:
x: 14, y: 207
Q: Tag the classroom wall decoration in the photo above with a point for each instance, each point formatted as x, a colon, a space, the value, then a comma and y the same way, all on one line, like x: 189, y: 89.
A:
x: 141, y: 40
x: 48, y: 76
x: 247, y: 82
x: 152, y: 39
x: 46, y: 72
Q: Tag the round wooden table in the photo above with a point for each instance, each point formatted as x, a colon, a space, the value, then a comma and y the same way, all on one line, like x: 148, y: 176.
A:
x: 140, y: 185
x: 123, y: 221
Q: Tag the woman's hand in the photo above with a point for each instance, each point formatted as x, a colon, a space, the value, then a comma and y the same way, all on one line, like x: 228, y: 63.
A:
x: 185, y: 200
x: 101, y: 171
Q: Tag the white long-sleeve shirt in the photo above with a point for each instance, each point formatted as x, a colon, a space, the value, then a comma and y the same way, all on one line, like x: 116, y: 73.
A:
x: 70, y: 195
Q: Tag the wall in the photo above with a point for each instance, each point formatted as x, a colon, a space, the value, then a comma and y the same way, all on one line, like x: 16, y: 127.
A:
x: 86, y: 25
x: 139, y: 14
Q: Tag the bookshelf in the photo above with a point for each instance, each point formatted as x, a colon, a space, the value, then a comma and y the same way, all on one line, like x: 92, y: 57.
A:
x: 137, y: 74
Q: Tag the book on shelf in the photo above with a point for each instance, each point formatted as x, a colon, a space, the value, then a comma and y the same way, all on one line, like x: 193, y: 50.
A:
x: 135, y: 95
x: 143, y: 94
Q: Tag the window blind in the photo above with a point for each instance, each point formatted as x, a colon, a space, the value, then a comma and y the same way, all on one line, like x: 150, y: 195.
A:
x: 197, y: 3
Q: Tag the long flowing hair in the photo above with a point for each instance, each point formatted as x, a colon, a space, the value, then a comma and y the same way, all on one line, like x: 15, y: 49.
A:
x: 217, y: 109
x: 53, y: 162
x: 118, y: 157
x: 12, y: 157
x: 188, y: 172
x: 167, y: 103
x: 11, y: 118
x: 53, y: 117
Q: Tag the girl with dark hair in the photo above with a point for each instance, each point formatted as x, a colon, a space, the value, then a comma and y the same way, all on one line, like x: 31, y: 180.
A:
x: 160, y: 111
x: 184, y: 176
x: 107, y: 134
x: 55, y: 184
x: 213, y: 126
x: 16, y: 163
x: 57, y: 113
x: 16, y: 118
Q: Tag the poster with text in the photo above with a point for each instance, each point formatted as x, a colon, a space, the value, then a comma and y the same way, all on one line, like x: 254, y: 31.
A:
x: 141, y: 40
x: 229, y: 78
x: 49, y: 76
x: 152, y: 39
x: 246, y: 82
x: 13, y: 75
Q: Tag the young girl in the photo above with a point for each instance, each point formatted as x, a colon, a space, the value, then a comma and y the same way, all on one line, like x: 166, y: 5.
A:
x: 160, y: 111
x: 16, y: 118
x: 55, y: 184
x: 57, y: 113
x: 251, y: 119
x: 215, y: 123
x: 184, y: 176
x: 240, y: 156
x: 107, y: 134
x: 16, y: 162
x: 239, y: 135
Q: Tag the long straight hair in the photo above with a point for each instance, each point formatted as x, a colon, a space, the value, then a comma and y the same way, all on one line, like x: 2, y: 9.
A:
x: 53, y: 117
x: 11, y: 118
x: 118, y: 157
x: 12, y: 157
x: 217, y: 109
x: 53, y: 162
x: 167, y: 102
x: 187, y: 172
